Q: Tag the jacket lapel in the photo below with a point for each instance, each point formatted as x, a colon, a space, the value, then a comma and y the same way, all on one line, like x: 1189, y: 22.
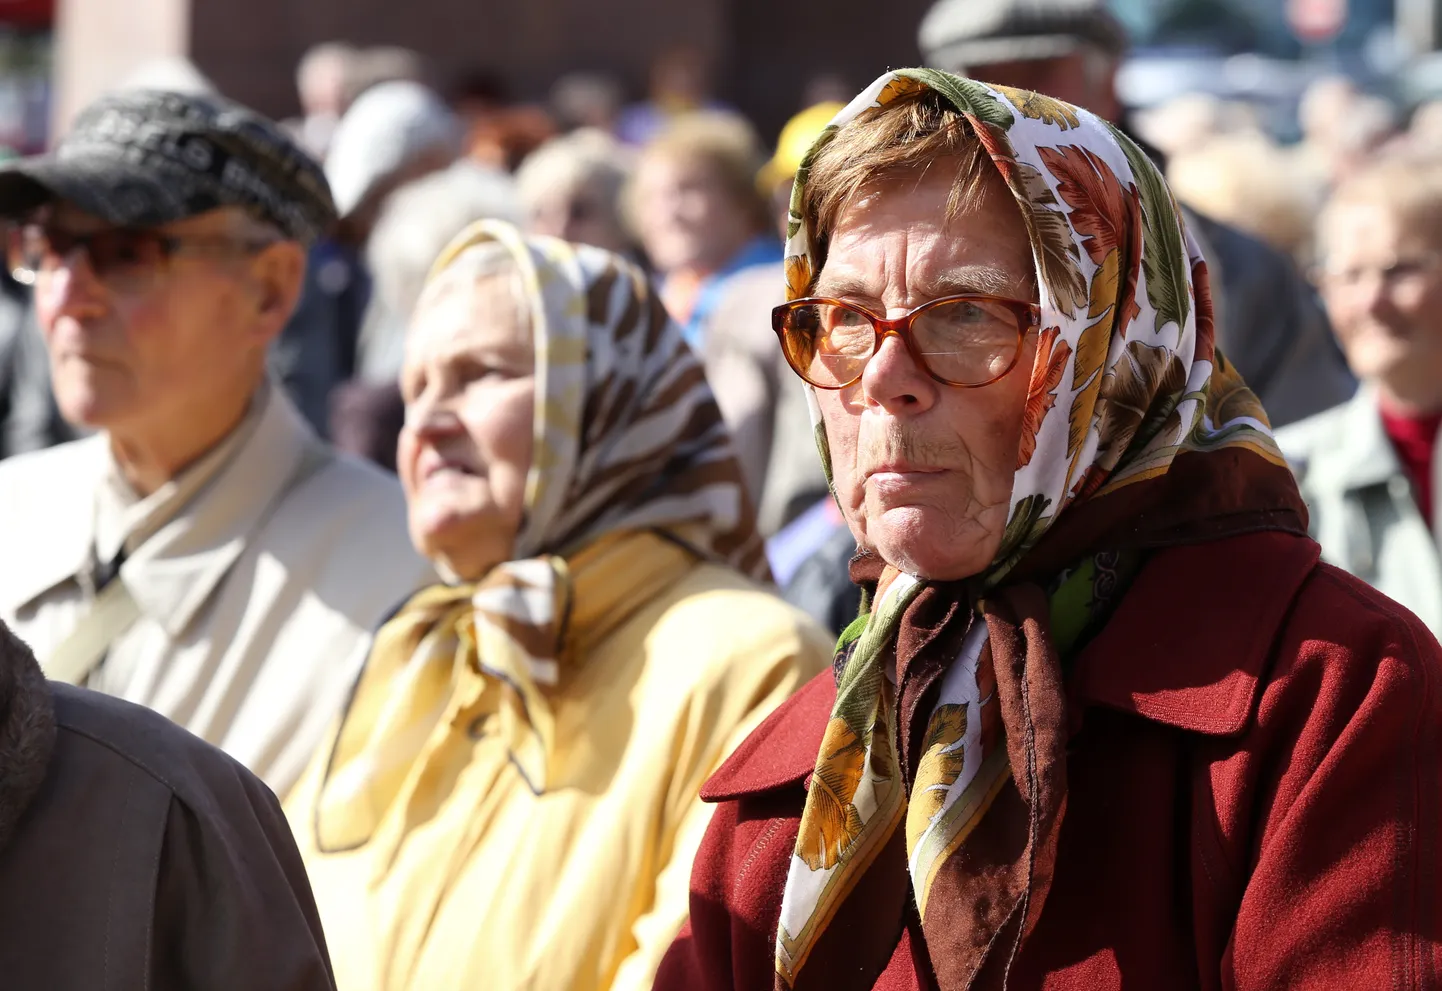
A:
x: 172, y: 575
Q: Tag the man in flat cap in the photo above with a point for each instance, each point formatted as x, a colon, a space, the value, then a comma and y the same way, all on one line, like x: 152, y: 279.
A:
x: 1269, y: 322
x: 203, y: 553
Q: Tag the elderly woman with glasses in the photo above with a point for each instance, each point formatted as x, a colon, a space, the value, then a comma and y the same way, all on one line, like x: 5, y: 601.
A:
x: 511, y: 798
x: 1106, y: 721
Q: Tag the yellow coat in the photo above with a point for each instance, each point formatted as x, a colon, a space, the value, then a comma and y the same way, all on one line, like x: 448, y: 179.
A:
x: 477, y: 882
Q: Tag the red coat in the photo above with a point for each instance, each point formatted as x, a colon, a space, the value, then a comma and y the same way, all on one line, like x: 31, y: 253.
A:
x: 1253, y: 799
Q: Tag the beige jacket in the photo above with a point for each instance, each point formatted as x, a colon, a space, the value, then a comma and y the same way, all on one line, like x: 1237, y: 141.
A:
x: 256, y: 600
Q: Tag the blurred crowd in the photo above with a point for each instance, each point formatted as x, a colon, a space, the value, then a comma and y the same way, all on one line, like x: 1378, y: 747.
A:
x: 656, y: 482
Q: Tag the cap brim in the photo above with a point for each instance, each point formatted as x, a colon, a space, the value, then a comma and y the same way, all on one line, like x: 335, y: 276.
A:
x: 103, y: 187
x: 969, y: 56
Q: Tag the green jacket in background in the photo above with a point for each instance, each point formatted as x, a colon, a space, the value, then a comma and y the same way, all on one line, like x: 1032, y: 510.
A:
x: 1363, y: 510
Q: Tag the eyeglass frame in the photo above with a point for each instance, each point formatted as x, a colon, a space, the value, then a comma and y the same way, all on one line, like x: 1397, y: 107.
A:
x: 900, y: 327
x: 170, y: 246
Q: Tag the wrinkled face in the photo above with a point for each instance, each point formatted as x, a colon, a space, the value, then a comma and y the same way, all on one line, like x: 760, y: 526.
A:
x: 139, y: 346
x: 469, y: 386
x: 687, y: 217
x: 923, y: 470
x: 580, y: 213
x: 1382, y: 283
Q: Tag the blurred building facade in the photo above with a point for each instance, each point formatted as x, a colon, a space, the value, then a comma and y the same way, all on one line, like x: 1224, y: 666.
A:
x: 764, y: 52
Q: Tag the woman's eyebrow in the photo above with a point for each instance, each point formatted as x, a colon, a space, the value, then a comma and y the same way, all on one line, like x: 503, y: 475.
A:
x: 982, y: 280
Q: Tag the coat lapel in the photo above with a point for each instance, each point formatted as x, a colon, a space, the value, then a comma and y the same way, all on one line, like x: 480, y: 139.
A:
x: 172, y: 575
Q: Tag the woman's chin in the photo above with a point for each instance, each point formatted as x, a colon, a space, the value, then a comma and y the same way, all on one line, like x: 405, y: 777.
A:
x: 931, y: 544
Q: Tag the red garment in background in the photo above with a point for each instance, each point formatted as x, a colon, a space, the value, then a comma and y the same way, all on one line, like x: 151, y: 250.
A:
x: 1414, y: 439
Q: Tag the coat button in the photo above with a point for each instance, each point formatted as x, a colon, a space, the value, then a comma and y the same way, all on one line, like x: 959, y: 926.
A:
x: 1399, y: 487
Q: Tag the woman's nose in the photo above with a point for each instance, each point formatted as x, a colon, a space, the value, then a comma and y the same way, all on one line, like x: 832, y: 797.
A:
x: 895, y: 381
x: 433, y: 419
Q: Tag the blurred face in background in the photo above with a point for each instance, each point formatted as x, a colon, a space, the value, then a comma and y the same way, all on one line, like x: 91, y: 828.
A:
x: 150, y: 332
x: 469, y: 387
x: 687, y: 216
x: 582, y: 212
x: 1381, y: 279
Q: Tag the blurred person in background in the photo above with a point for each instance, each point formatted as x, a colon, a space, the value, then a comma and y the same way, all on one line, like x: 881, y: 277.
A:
x: 199, y: 553
x: 370, y: 67
x: 417, y: 222
x: 395, y: 132
x: 132, y: 855
x: 321, y: 80
x: 1274, y: 329
x: 510, y: 800
x: 586, y: 100
x: 701, y: 220
x: 1368, y: 468
x: 1424, y: 131
x: 571, y: 188
x: 1246, y: 181
x: 766, y: 414
x: 499, y: 131
x: 1191, y: 122
x: 680, y: 85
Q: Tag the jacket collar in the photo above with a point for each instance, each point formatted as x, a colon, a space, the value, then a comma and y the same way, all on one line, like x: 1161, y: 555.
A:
x: 172, y: 574
x: 1362, y: 456
x: 1198, y: 670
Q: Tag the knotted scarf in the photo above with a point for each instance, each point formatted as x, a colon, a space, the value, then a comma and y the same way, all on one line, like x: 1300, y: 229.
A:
x: 632, y: 462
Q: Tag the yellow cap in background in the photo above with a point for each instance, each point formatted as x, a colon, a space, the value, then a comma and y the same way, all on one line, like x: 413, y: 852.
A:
x: 797, y: 137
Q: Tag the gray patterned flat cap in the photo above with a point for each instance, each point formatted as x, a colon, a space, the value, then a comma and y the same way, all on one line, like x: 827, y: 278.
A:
x: 958, y: 35
x: 149, y: 157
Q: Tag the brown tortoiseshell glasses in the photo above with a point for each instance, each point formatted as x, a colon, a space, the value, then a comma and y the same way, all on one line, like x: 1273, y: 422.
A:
x: 968, y: 341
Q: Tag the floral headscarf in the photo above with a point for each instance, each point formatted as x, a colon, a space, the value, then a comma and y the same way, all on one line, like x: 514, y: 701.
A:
x: 945, y: 749
x: 628, y: 441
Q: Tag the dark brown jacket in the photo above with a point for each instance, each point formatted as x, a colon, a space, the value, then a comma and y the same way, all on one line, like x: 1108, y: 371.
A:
x: 135, y: 856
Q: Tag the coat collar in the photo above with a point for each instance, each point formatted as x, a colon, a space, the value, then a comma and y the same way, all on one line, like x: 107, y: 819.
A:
x: 1362, y: 456
x: 1199, y: 671
x: 173, y: 573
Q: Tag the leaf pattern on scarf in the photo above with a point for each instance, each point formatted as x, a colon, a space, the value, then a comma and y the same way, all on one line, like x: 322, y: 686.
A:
x: 1097, y: 199
x: 1229, y: 398
x: 941, y: 764
x: 1091, y: 356
x: 1052, y: 355
x: 798, y: 276
x: 900, y: 86
x: 1128, y: 390
x: 1164, y: 259
x: 967, y: 95
x: 831, y: 822
x: 882, y: 757
x: 1057, y: 253
x: 1046, y: 109
x: 1028, y: 522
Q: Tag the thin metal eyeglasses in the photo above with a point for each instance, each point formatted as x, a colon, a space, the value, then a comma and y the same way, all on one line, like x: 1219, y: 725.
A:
x: 969, y: 340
